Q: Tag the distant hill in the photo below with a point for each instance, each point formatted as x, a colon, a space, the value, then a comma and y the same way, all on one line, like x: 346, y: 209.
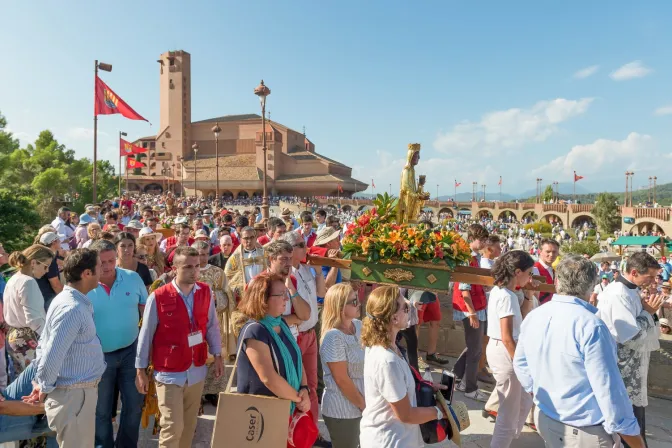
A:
x: 466, y: 197
x: 564, y: 189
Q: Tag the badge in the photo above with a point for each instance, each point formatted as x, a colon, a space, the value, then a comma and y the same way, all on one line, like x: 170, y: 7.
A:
x: 195, y: 338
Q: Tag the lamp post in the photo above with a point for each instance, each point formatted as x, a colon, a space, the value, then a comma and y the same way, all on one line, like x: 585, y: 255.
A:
x: 648, y: 198
x: 632, y: 175
x: 556, y: 192
x: 539, y: 190
x: 172, y: 172
x: 195, y: 148
x: 216, y: 130
x: 181, y: 160
x: 262, y: 92
x: 106, y: 68
x: 120, y: 135
x: 437, y: 193
x: 655, y: 179
x: 483, y: 192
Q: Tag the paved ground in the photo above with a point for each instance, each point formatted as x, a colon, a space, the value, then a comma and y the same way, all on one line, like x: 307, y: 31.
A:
x: 479, y: 433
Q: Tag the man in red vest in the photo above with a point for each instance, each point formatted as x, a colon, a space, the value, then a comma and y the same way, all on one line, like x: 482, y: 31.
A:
x: 544, y: 266
x: 179, y: 326
x: 470, y: 307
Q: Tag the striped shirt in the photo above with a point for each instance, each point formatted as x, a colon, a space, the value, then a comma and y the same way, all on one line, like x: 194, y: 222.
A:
x: 69, y: 351
x: 338, y: 346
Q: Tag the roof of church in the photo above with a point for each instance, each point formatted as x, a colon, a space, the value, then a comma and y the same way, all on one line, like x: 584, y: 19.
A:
x: 231, y: 167
x: 226, y: 118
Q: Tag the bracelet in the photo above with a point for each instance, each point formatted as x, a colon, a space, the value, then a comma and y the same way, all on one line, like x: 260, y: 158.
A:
x: 439, y: 413
x: 293, y: 296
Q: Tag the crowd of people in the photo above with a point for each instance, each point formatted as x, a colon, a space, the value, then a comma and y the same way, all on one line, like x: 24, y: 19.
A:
x: 107, y: 307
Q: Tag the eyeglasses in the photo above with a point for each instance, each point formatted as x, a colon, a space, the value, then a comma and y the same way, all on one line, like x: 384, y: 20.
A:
x: 300, y: 245
x: 141, y: 257
x: 46, y: 265
x: 353, y: 302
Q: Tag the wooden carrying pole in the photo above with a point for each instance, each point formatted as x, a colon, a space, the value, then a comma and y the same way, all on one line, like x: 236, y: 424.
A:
x: 461, y: 274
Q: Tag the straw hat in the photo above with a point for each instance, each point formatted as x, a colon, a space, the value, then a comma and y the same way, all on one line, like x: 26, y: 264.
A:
x: 181, y: 220
x: 325, y: 235
x: 147, y: 232
x: 458, y: 417
x: 259, y: 226
x: 286, y: 212
x: 200, y: 233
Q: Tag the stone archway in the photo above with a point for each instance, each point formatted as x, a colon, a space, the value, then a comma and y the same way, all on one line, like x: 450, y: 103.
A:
x: 362, y: 208
x: 530, y: 216
x: 506, y: 216
x: 646, y: 228
x: 552, y: 218
x: 448, y: 212
x: 484, y: 214
x: 153, y: 188
x: 332, y: 207
x: 346, y: 208
x: 243, y: 195
x: 227, y: 194
x: 581, y: 220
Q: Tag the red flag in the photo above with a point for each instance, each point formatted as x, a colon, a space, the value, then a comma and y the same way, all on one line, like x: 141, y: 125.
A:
x: 372, y: 184
x: 340, y: 188
x: 457, y: 184
x: 577, y: 177
x: 500, y: 180
x: 107, y: 102
x: 132, y: 163
x: 128, y: 148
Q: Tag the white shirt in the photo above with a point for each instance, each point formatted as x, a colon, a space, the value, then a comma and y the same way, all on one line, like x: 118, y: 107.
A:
x: 23, y: 303
x: 387, y: 379
x: 252, y: 270
x: 307, y: 289
x: 619, y: 307
x: 63, y: 230
x: 535, y: 271
x: 599, y: 288
x: 503, y: 303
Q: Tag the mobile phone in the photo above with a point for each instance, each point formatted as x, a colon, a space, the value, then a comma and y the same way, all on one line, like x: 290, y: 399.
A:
x: 448, y: 379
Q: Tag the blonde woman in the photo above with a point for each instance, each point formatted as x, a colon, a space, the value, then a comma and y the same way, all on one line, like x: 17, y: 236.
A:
x: 94, y: 232
x: 343, y: 365
x: 155, y: 258
x: 23, y: 307
x: 391, y: 416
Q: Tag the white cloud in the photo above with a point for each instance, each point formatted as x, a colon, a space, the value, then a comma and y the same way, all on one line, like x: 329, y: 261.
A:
x: 631, y: 70
x: 603, y: 156
x: 78, y: 133
x: 586, y: 72
x: 513, y: 127
x: 664, y: 110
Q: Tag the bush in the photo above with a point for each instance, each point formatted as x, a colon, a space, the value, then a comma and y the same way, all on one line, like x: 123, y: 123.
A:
x: 540, y: 227
x: 580, y: 248
x: 18, y: 221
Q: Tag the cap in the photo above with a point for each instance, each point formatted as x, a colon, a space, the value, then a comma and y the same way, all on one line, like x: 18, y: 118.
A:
x: 48, y: 238
x: 86, y: 219
x: 664, y: 321
x: 605, y: 277
x: 90, y: 209
x: 134, y: 224
x: 181, y: 220
x: 200, y: 233
x: 663, y: 259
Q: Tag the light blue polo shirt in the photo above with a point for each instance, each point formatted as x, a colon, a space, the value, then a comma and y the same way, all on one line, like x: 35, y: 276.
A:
x: 116, y: 314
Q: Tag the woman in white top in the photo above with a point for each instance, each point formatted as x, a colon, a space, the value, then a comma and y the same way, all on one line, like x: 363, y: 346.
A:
x: 505, y: 316
x: 24, y: 304
x: 391, y: 417
x: 342, y: 358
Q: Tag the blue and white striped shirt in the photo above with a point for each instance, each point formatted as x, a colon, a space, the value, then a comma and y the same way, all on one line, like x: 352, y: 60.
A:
x: 69, y: 351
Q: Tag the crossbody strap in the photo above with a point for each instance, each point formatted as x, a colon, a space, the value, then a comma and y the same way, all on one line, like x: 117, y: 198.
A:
x: 276, y: 364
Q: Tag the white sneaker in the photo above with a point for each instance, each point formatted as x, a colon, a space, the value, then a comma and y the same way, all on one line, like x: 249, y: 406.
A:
x: 478, y: 396
x: 461, y: 386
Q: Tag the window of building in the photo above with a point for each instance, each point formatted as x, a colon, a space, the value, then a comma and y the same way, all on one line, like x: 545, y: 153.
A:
x: 144, y: 144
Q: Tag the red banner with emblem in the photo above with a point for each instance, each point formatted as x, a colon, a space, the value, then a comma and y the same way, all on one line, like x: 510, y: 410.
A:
x: 107, y: 102
x: 128, y: 148
x: 132, y: 163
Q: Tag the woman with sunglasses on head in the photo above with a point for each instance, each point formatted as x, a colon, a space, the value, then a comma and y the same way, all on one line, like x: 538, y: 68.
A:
x: 391, y: 416
x: 342, y: 358
x: 125, y: 244
x: 23, y: 307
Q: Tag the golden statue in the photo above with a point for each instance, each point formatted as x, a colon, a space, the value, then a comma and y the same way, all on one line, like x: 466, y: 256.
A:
x: 411, y: 196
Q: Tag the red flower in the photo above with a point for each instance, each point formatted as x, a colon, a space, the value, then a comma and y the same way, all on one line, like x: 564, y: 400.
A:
x: 364, y: 220
x: 438, y: 252
x: 31, y: 343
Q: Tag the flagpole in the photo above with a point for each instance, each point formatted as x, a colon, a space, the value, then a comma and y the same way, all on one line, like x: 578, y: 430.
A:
x: 95, y: 136
x: 574, y: 192
x: 500, y: 188
x: 455, y: 191
x: 126, y: 170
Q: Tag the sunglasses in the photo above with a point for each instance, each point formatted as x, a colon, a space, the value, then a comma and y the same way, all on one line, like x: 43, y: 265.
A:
x: 300, y: 245
x: 46, y: 265
x: 141, y: 257
x: 353, y: 302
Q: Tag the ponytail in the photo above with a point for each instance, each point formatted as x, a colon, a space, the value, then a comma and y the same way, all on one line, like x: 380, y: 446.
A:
x: 17, y: 260
x: 35, y: 252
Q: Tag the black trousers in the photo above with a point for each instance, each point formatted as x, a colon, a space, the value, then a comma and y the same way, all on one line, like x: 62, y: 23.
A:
x: 411, y: 338
x: 640, y: 415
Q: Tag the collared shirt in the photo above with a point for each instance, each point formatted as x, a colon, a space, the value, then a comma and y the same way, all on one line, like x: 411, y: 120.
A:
x: 252, y: 270
x: 566, y: 357
x: 150, y: 321
x: 307, y: 289
x: 69, y: 351
x: 116, y: 311
x: 458, y: 315
x: 535, y: 271
x: 63, y: 230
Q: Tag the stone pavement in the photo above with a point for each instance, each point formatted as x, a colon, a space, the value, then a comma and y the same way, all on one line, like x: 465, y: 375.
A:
x: 478, y: 435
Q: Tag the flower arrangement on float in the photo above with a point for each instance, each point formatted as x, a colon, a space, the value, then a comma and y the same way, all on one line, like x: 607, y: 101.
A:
x: 167, y: 222
x: 423, y: 256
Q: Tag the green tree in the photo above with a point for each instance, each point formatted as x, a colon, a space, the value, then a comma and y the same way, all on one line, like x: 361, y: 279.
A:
x: 19, y: 222
x: 547, y: 195
x: 581, y: 247
x: 606, y: 212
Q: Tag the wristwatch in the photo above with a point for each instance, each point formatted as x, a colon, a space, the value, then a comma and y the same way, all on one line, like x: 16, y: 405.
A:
x: 303, y: 386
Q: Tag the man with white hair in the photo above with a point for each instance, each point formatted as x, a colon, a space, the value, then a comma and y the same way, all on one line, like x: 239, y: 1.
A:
x: 567, y: 359
x: 220, y: 258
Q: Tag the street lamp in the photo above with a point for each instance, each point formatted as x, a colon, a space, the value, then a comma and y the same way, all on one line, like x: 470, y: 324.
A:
x: 216, y: 130
x: 262, y: 92
x: 556, y: 187
x: 172, y: 172
x: 484, y: 192
x: 654, y: 188
x: 473, y: 191
x: 120, y: 135
x: 195, y: 148
x: 181, y: 160
x: 106, y: 68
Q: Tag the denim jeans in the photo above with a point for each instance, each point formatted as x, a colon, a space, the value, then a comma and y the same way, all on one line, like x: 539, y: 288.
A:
x: 14, y: 428
x: 120, y: 372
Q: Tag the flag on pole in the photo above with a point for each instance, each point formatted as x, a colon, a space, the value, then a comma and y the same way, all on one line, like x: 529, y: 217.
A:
x: 128, y: 148
x: 132, y: 163
x: 457, y: 184
x: 577, y: 177
x: 372, y: 184
x: 340, y: 189
x: 107, y: 102
x: 500, y: 181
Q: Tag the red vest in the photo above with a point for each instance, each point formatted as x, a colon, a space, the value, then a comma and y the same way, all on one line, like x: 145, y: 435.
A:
x: 544, y: 296
x: 170, y: 346
x: 477, y: 294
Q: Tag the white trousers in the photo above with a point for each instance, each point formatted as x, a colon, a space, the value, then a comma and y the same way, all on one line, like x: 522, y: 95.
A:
x: 514, y: 402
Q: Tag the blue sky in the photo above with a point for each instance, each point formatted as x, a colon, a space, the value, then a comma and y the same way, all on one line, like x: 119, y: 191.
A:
x: 521, y: 89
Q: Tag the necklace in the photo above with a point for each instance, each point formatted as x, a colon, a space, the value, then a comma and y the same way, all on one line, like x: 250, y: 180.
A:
x: 350, y: 331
